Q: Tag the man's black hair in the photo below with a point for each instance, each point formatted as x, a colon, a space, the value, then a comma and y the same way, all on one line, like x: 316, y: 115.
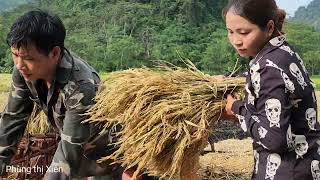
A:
x: 38, y: 28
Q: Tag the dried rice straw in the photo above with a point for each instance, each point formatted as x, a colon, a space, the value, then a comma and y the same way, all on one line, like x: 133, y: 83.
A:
x: 38, y: 123
x: 167, y: 114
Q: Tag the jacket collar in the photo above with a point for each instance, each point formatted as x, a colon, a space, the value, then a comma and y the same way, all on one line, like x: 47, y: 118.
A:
x: 278, y: 41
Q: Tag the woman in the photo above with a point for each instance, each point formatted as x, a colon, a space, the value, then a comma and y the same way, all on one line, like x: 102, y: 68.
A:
x: 279, y: 110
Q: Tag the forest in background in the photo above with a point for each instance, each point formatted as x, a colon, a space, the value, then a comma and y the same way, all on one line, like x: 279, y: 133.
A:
x: 6, y: 5
x: 119, y: 34
x: 309, y: 14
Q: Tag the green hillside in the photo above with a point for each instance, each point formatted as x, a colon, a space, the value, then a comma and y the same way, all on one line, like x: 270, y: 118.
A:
x: 309, y: 14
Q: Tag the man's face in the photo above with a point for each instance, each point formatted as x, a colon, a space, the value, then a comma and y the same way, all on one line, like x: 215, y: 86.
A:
x: 33, y: 64
x: 247, y: 38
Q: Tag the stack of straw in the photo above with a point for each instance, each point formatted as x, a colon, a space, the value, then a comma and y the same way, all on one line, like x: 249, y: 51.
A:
x: 167, y: 114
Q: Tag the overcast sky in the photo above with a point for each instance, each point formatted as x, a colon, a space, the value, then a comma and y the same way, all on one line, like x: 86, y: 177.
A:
x: 292, y: 5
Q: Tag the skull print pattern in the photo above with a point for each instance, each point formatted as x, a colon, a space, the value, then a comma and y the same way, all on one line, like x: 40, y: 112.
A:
x: 290, y: 142
x: 301, y: 63
x: 311, y: 117
x: 273, y: 111
x: 287, y: 49
x: 256, y: 161
x: 315, y: 170
x: 295, y: 71
x: 262, y: 132
x: 273, y: 163
x: 250, y: 96
x: 288, y: 83
x: 300, y: 145
x: 255, y: 78
x: 242, y: 122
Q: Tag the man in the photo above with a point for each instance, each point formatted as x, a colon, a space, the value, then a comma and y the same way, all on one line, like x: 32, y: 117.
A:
x: 61, y: 84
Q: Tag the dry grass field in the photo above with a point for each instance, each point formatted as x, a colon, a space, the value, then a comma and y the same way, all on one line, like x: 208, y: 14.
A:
x: 5, y: 80
x: 3, y: 99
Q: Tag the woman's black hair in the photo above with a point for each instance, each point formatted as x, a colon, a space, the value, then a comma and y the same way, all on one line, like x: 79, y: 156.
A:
x: 258, y: 12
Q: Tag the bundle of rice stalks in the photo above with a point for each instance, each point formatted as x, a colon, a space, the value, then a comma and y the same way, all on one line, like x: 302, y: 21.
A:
x: 166, y: 115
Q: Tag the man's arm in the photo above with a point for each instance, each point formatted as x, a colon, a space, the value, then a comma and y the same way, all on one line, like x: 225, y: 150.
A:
x: 69, y: 159
x: 14, y: 119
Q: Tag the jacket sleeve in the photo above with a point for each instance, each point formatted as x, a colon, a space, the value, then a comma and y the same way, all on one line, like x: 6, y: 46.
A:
x: 268, y: 121
x: 68, y: 160
x: 14, y: 119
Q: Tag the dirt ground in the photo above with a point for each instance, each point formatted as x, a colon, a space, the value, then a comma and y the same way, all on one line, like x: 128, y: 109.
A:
x: 233, y: 160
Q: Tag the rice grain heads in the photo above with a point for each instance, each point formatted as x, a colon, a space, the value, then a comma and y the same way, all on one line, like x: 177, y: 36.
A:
x: 166, y: 113
x: 38, y: 123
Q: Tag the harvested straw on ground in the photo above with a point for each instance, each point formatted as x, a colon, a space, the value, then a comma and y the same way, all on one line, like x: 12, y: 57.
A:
x: 36, y: 148
x: 167, y: 114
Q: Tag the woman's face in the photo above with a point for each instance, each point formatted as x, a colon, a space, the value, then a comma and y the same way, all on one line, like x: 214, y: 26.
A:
x: 247, y: 38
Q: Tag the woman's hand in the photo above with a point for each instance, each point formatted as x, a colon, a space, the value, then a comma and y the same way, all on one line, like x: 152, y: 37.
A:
x: 227, y: 113
x: 218, y: 78
x: 228, y: 108
x: 215, y: 78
